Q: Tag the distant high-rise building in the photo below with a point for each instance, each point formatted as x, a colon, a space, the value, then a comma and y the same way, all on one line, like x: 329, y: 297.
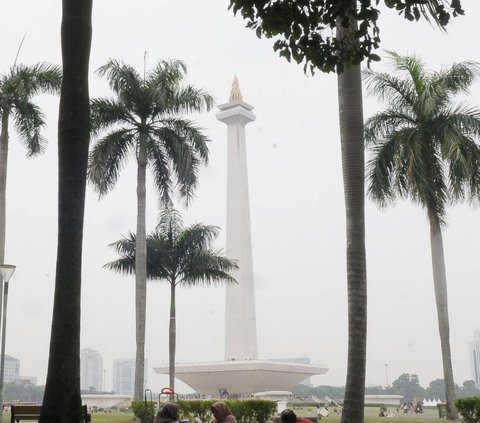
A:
x: 124, y: 376
x: 11, y: 369
x: 91, y: 370
x: 475, y: 357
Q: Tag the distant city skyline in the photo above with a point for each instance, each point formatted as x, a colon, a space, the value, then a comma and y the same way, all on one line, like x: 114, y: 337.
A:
x: 91, y: 370
x: 123, y: 377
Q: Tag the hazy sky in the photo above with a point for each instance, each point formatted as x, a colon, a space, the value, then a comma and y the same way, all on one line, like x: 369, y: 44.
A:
x: 296, y: 200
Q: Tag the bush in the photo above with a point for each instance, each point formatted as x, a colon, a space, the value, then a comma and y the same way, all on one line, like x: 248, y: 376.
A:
x: 145, y: 412
x: 469, y: 408
x: 252, y: 411
x: 189, y: 409
x: 245, y: 411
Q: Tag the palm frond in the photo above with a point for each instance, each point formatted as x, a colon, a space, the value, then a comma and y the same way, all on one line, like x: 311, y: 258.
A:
x: 189, y: 133
x: 384, y: 185
x: 27, y: 81
x: 389, y: 88
x: 158, y: 161
x: 184, y: 157
x: 122, y: 78
x: 195, y: 238
x: 457, y: 78
x: 166, y: 75
x: 190, y: 99
x: 29, y: 120
x: 170, y: 224
x: 107, y: 158
x: 125, y: 248
x: 208, y: 267
x: 106, y: 112
x: 383, y: 123
x: 413, y: 66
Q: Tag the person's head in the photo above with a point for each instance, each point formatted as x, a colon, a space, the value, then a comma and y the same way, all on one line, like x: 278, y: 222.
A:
x: 288, y: 416
x: 220, y: 410
x: 168, y: 413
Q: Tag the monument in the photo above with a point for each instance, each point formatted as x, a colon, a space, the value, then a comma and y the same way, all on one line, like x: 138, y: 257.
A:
x: 240, y: 323
x: 241, y: 373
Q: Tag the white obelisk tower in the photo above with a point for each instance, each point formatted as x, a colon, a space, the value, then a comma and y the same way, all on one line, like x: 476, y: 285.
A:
x: 240, y: 324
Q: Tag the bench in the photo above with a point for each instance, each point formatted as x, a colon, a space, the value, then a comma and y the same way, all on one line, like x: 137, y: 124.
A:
x: 32, y: 412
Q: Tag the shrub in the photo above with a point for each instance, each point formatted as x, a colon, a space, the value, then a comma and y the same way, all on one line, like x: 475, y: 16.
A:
x: 252, y: 410
x: 189, y: 409
x: 245, y: 411
x: 469, y: 408
x: 145, y: 412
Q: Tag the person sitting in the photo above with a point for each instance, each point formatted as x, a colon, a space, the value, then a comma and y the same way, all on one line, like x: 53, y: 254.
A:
x: 222, y: 414
x: 288, y: 416
x: 169, y: 413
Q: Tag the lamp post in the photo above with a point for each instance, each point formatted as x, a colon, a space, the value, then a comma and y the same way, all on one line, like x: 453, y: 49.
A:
x: 386, y: 373
x: 6, y: 271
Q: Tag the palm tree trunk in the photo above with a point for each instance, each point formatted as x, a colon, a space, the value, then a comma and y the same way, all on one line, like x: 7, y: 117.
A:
x: 172, y: 336
x: 62, y: 402
x: 3, y: 187
x: 140, y: 270
x: 441, y: 298
x: 353, y: 158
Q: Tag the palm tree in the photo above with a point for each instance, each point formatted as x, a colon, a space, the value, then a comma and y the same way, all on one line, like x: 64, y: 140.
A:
x: 62, y: 401
x: 182, y: 257
x: 424, y: 148
x: 17, y: 88
x: 144, y: 120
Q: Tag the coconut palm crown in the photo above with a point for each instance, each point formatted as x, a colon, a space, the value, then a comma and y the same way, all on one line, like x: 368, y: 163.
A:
x: 145, y: 120
x: 424, y: 147
x: 182, y: 257
x: 17, y: 88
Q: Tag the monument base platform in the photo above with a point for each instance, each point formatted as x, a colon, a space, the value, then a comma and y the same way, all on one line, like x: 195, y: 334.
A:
x: 242, y: 377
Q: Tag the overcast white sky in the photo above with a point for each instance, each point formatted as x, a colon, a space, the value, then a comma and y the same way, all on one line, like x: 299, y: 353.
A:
x: 296, y: 200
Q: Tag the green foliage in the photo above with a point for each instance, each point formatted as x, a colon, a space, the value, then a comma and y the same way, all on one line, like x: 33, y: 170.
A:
x: 178, y: 255
x: 408, y: 386
x: 245, y: 411
x: 145, y: 412
x: 304, y: 30
x: 23, y: 391
x: 145, y: 116
x: 469, y: 408
x: 252, y: 411
x: 190, y: 409
x: 423, y: 144
x: 17, y: 88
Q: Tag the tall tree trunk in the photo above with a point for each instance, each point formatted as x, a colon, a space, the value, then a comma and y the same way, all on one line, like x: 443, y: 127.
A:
x: 62, y: 401
x: 3, y: 188
x: 353, y: 158
x: 441, y: 298
x: 172, y: 337
x: 140, y: 270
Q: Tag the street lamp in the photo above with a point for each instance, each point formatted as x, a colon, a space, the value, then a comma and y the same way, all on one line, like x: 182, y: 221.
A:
x: 386, y: 373
x: 6, y: 271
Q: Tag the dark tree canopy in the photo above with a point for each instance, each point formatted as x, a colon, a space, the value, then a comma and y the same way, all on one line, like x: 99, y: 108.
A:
x: 305, y: 29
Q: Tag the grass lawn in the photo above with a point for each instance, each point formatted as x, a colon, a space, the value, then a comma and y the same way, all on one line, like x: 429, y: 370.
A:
x: 371, y: 416
x: 113, y: 418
